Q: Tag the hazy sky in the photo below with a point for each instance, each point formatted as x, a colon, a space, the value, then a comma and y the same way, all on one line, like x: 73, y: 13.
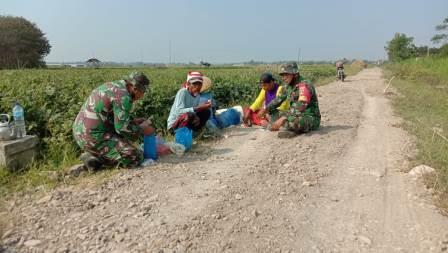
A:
x: 226, y: 31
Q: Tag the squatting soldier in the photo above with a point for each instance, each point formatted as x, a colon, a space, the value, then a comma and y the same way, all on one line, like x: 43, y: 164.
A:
x: 103, y: 128
x: 303, y: 114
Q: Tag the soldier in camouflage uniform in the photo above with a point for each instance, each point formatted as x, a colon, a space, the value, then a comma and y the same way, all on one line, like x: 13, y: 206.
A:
x: 303, y: 114
x: 103, y: 128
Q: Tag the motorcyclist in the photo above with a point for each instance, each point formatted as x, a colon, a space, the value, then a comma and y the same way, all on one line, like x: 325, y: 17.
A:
x: 340, y: 67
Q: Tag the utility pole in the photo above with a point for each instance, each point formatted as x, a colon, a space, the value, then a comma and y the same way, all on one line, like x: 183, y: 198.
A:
x: 141, y: 56
x: 169, y: 46
x: 298, y: 56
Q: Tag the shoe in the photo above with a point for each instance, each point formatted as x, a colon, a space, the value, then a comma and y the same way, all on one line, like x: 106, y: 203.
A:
x: 91, y: 162
x: 286, y: 134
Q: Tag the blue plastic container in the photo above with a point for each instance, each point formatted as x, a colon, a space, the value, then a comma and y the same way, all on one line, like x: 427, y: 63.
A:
x: 184, y: 136
x: 228, y: 118
x: 150, y: 147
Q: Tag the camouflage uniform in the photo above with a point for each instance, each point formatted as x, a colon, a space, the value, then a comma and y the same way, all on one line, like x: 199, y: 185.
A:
x: 303, y: 114
x: 104, y: 128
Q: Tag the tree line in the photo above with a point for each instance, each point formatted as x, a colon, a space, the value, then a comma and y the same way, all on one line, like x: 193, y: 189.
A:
x: 401, y: 47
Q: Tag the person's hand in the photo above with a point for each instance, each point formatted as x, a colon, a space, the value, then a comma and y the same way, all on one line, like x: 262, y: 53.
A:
x: 196, y: 121
x: 262, y: 113
x: 147, y: 129
x: 278, y: 123
x: 203, y: 107
x: 138, y: 121
x: 246, y: 118
x: 247, y: 123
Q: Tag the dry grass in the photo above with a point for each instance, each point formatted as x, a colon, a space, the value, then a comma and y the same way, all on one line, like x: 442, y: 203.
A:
x: 424, y: 108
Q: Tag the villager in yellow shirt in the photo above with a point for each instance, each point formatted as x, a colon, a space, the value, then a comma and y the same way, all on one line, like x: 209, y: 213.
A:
x: 257, y: 113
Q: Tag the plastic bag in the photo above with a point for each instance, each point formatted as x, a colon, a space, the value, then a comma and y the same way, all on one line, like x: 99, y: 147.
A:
x: 162, y: 147
x: 148, y: 162
x: 212, y: 128
x: 184, y: 136
x: 176, y: 148
x: 228, y: 117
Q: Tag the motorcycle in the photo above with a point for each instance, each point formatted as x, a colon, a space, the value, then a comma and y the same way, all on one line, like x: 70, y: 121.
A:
x: 341, y: 74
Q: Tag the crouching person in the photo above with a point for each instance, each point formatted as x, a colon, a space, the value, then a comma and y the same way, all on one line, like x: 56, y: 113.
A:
x: 303, y: 114
x: 186, y: 110
x: 104, y: 129
x: 257, y: 113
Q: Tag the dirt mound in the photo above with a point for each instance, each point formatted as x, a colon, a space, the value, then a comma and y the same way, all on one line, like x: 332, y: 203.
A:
x: 359, y: 64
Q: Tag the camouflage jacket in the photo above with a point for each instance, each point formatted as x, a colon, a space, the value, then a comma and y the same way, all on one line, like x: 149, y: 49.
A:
x: 302, y: 99
x: 107, y: 111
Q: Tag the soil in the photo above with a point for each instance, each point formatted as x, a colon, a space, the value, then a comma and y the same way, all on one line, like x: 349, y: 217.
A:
x: 339, y: 189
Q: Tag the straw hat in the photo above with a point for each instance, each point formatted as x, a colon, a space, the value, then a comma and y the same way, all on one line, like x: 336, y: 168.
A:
x: 206, y: 84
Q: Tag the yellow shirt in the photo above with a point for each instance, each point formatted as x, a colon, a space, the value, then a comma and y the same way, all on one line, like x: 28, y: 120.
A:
x: 259, y: 102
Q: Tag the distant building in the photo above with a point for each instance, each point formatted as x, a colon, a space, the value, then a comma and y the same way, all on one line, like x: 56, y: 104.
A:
x: 205, y: 64
x: 93, y: 62
x: 54, y: 65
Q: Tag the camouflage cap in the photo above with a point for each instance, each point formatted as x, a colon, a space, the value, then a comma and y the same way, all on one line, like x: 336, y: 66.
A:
x: 139, y: 80
x: 289, y: 68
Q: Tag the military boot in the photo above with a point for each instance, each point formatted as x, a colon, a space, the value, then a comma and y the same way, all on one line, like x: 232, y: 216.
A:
x: 91, y: 162
x: 286, y: 134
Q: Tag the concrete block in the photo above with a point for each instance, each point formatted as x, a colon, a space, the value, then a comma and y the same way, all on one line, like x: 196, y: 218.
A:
x: 16, y: 154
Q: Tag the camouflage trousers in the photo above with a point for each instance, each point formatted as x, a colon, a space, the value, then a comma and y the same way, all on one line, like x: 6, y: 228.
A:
x: 302, y: 123
x: 112, y: 150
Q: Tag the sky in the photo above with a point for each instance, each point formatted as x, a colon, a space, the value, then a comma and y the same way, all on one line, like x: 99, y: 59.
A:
x: 226, y: 31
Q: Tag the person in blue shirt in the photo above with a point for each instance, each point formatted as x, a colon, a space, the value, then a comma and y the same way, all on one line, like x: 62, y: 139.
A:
x: 205, y: 96
x: 186, y: 110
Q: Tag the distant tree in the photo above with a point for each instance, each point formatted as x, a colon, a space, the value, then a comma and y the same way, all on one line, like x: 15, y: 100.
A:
x: 425, y: 51
x: 443, y: 36
x: 22, y: 43
x: 400, y: 47
x: 443, y: 50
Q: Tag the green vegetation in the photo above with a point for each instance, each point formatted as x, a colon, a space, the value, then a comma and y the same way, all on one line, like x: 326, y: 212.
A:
x: 53, y: 97
x: 22, y: 44
x: 401, y: 47
x: 442, y: 36
x: 423, y: 84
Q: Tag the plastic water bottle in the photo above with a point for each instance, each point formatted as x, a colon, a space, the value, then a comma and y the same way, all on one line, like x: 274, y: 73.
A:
x: 19, y: 120
x: 150, y: 147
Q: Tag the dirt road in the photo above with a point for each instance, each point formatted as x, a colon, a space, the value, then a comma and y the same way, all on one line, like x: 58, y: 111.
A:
x: 339, y: 189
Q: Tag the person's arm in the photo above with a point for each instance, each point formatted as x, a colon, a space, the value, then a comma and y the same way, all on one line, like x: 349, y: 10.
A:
x: 259, y: 101
x: 303, y: 100
x: 305, y: 95
x: 208, y: 97
x: 284, y: 106
x: 278, y: 100
x: 180, y: 102
x: 122, y: 121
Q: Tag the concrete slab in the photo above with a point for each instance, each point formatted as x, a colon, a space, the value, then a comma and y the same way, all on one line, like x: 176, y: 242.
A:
x: 16, y: 154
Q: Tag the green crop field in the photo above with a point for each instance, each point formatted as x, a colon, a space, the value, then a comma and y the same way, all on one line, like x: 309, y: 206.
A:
x: 423, y: 88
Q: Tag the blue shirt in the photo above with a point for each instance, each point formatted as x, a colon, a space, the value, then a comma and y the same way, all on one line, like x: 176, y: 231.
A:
x: 183, y: 103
